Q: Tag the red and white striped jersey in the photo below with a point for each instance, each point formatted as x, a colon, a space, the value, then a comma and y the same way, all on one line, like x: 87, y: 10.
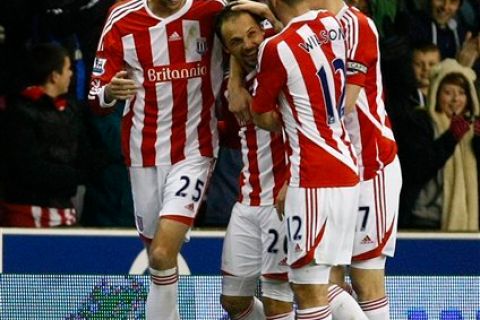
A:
x: 264, y: 161
x: 303, y: 68
x: 369, y: 125
x: 177, y: 63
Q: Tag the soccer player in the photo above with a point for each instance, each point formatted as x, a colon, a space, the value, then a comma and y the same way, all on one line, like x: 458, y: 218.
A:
x: 254, y: 241
x: 303, y: 69
x: 370, y: 131
x: 162, y: 58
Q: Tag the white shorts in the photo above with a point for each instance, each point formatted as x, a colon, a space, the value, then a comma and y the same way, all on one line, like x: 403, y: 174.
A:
x: 171, y: 190
x: 320, y: 225
x: 376, y: 229
x: 255, y: 243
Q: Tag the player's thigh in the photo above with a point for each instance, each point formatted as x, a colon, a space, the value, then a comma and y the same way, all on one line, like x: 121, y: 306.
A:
x: 320, y: 225
x: 242, y: 245
x: 376, y: 227
x: 274, y: 244
x: 147, y: 184
x: 185, y: 187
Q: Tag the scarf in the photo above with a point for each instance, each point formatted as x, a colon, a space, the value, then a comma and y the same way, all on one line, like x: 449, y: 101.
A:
x: 34, y: 93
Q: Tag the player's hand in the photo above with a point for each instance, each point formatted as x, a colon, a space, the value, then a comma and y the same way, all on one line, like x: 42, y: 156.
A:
x: 259, y: 9
x: 239, y: 103
x: 120, y: 87
x: 280, y: 201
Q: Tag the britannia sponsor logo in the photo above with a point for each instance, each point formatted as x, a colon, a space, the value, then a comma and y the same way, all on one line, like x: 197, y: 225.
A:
x: 161, y: 74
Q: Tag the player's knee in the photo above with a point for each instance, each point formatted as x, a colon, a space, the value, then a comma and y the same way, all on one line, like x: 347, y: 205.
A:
x: 277, y: 297
x: 162, y: 258
x: 277, y: 290
x: 369, y: 284
x: 235, y: 305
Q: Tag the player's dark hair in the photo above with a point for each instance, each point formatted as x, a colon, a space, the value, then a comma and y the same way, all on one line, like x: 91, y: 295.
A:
x: 42, y: 60
x: 226, y: 14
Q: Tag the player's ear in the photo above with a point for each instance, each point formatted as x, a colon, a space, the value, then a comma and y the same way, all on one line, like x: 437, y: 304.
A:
x: 53, y: 77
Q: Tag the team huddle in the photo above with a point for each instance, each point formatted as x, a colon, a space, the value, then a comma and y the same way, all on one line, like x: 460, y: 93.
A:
x: 320, y: 182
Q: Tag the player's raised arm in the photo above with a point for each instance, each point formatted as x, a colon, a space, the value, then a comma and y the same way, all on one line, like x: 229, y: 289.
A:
x: 270, y: 79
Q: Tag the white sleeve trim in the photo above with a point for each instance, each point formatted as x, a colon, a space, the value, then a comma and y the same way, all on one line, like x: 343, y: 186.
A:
x: 101, y: 97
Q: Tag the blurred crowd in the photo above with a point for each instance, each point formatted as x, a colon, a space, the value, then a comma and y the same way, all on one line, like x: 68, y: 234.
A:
x: 430, y: 53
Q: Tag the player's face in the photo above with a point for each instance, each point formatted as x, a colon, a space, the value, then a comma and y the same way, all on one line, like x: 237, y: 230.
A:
x: 452, y: 99
x: 242, y: 36
x: 444, y: 10
x: 63, y: 79
x: 422, y: 63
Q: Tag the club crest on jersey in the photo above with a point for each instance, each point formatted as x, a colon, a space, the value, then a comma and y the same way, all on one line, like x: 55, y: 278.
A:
x: 202, y: 46
x: 99, y: 66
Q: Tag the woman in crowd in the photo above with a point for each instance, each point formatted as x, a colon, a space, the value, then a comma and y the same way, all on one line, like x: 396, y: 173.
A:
x: 438, y: 151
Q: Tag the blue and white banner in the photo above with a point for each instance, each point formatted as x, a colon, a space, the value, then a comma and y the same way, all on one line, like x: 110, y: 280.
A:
x: 95, y: 251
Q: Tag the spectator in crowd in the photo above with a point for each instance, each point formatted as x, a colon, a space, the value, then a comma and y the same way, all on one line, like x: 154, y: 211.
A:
x: 438, y: 150
x: 424, y: 57
x: 46, y: 151
x: 439, y: 25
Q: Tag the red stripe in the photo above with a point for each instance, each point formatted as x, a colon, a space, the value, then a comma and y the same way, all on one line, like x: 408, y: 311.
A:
x: 276, y: 276
x: 182, y: 219
x: 179, y: 96
x: 280, y: 316
x: 208, y: 98
x: 63, y: 217
x: 334, y: 292
x: 279, y: 160
x: 164, y: 281
x: 374, y: 305
x: 377, y: 208
x: 308, y: 225
x: 45, y: 218
x: 127, y: 124
x: 253, y: 179
x: 384, y: 202
x: 315, y: 315
x: 310, y: 254
x: 378, y: 250
x: 149, y: 132
x: 315, y: 211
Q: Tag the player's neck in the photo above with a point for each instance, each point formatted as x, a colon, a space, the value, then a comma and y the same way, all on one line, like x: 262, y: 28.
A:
x: 334, y: 6
x: 289, y: 12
